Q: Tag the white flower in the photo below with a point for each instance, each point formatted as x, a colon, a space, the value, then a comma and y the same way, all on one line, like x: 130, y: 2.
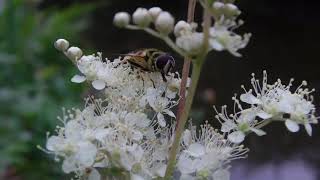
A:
x: 181, y: 28
x: 61, y: 44
x: 74, y: 53
x: 154, y: 12
x: 164, y: 23
x: 191, y: 42
x: 238, y: 125
x: 142, y: 17
x: 221, y: 38
x: 277, y: 102
x: 126, y: 129
x: 121, y: 19
x: 204, y: 153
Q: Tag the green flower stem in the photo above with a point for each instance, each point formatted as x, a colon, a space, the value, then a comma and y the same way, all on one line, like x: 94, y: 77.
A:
x: 165, y: 38
x: 196, y: 70
x: 264, y: 123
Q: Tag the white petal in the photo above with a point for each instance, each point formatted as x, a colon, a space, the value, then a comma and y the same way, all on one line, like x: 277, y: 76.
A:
x: 86, y: 154
x: 187, y: 138
x: 54, y: 142
x: 196, y: 150
x: 78, y: 79
x: 216, y: 45
x: 170, y: 113
x: 136, y: 177
x: 184, y: 164
x: 69, y: 165
x: 161, y: 171
x: 264, y: 115
x: 259, y: 132
x: 101, y: 134
x: 161, y: 120
x: 98, y: 84
x: 187, y: 177
x: 249, y: 98
x: 292, y: 126
x: 236, y: 137
x: 228, y: 126
x: 308, y: 128
x: 94, y: 175
x: 221, y: 174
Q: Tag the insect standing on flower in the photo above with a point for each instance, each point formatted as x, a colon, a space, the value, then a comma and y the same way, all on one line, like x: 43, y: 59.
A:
x: 151, y: 60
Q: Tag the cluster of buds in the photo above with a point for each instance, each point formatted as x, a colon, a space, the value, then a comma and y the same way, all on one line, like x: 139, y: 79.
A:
x: 188, y: 41
x: 163, y: 21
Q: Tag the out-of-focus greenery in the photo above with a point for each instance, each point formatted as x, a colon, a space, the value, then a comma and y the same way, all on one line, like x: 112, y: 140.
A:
x: 34, y: 83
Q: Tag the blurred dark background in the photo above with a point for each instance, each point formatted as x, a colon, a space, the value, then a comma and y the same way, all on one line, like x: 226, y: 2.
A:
x: 34, y: 77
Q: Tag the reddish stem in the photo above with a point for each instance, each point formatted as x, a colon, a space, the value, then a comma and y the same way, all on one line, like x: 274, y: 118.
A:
x: 186, y: 65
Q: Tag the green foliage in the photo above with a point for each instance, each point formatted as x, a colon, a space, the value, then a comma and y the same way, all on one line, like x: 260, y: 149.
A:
x: 34, y: 83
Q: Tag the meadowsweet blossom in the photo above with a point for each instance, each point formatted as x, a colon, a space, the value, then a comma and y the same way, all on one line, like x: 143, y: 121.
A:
x: 206, y: 154
x: 269, y: 102
x: 127, y: 129
x: 164, y: 22
x: 278, y: 102
x: 222, y: 37
x: 239, y: 124
x: 121, y: 19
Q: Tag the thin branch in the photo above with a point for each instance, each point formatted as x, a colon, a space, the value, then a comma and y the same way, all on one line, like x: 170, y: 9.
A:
x: 186, y: 65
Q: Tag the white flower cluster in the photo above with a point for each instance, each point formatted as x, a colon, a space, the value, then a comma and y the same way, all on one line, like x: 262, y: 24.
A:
x: 127, y: 129
x: 187, y: 39
x: 269, y: 102
x: 127, y: 132
x: 206, y: 154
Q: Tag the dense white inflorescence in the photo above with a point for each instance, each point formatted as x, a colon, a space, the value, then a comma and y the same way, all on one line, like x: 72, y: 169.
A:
x: 269, y: 102
x: 130, y: 129
x: 129, y: 132
x: 206, y: 154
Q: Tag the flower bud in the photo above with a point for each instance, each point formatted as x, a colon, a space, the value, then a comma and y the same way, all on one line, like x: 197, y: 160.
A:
x: 164, y: 23
x: 181, y: 27
x: 61, y: 44
x: 154, y: 12
x: 121, y: 19
x: 74, y: 53
x: 218, y: 5
x: 141, y: 17
x: 231, y: 10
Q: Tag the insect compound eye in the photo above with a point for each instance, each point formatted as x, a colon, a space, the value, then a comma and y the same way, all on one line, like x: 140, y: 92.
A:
x: 163, y: 60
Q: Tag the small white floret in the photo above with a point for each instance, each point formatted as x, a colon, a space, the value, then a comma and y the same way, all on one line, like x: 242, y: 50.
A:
x: 61, y: 44
x: 121, y: 19
x: 164, y: 23
x: 142, y: 17
x: 74, y: 53
x: 154, y: 12
x: 182, y: 27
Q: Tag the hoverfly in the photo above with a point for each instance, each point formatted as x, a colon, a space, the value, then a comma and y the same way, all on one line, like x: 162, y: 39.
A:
x: 151, y: 60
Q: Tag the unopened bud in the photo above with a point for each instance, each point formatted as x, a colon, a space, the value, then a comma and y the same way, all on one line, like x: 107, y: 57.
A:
x: 164, y: 23
x: 154, y: 12
x: 121, y: 19
x: 218, y: 5
x: 232, y: 10
x: 141, y: 17
x: 181, y: 27
x: 61, y: 44
x: 74, y: 53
